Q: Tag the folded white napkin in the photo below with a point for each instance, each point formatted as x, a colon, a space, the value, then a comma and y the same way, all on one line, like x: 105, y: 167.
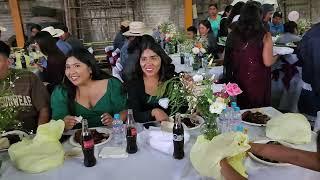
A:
x: 113, y: 152
x: 282, y: 50
x: 163, y: 141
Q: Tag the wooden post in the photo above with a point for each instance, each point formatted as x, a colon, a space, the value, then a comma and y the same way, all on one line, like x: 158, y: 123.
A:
x: 187, y: 13
x: 16, y: 17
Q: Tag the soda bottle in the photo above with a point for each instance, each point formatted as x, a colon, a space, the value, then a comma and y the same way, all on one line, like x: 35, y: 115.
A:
x: 131, y: 134
x: 23, y: 61
x: 87, y: 145
x: 178, y: 138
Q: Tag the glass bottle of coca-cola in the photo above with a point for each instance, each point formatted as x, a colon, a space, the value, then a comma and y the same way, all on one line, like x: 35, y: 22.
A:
x: 131, y: 134
x: 23, y: 61
x: 87, y: 145
x: 178, y: 138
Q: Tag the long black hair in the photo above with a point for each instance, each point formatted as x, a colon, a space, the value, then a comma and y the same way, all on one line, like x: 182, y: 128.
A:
x: 250, y: 25
x: 84, y: 56
x: 207, y: 24
x: 47, y: 44
x: 227, y: 10
x: 166, y: 71
x: 236, y: 9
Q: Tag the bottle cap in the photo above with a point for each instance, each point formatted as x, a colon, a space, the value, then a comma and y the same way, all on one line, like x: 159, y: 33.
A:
x: 237, y: 108
x: 233, y: 104
x: 116, y: 116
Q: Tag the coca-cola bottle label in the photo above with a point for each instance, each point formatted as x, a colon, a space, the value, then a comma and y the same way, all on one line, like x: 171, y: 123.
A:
x: 177, y: 137
x: 88, y: 144
x: 133, y: 132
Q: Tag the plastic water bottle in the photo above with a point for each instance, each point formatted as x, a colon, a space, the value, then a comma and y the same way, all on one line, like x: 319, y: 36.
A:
x: 118, y: 131
x: 225, y: 119
x: 237, y: 125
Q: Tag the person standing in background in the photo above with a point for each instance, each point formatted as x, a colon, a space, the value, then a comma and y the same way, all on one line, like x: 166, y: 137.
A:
x: 248, y: 57
x: 223, y: 31
x: 267, y: 11
x: 309, y: 54
x: 120, y: 39
x: 214, y: 18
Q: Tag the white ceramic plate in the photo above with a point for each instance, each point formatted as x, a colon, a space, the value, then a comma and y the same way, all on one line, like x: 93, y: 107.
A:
x: 270, y: 111
x: 266, y: 162
x: 312, y: 146
x: 199, y: 118
x: 17, y: 132
x: 100, y: 130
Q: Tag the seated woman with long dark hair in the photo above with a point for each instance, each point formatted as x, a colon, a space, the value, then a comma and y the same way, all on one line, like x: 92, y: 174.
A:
x: 54, y: 72
x: 207, y: 38
x: 88, y: 92
x: 153, y: 68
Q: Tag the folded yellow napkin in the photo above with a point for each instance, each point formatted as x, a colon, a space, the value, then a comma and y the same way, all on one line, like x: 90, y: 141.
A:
x: 206, y: 155
x: 290, y: 127
x: 43, y: 152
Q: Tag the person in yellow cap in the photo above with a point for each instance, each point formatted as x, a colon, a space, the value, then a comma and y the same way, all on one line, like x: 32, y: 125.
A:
x: 120, y: 39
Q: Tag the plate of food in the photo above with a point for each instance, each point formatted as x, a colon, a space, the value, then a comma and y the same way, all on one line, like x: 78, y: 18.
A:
x: 266, y: 161
x: 100, y: 135
x: 255, y: 118
x: 190, y: 121
x: 9, y: 138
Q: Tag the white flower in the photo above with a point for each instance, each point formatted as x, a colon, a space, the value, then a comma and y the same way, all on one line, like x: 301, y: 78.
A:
x: 220, y: 99
x: 202, y: 50
x: 217, y: 107
x: 197, y: 78
x: 195, y: 50
x: 164, y: 102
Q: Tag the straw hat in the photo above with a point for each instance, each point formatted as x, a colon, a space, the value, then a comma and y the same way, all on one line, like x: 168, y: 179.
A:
x: 125, y: 23
x: 54, y: 32
x: 3, y: 28
x: 136, y: 28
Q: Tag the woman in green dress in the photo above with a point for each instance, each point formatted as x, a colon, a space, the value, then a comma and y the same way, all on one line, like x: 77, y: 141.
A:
x: 88, y: 92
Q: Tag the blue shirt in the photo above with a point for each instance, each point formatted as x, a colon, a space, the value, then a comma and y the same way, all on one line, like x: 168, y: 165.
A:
x: 276, y: 29
x: 64, y: 46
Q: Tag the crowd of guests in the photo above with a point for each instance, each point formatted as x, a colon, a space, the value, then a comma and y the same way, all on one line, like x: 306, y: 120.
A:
x: 78, y: 87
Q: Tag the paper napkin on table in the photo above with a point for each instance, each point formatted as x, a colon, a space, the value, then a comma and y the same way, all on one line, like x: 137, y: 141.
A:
x: 206, y: 155
x: 290, y: 127
x: 163, y: 141
x: 113, y: 152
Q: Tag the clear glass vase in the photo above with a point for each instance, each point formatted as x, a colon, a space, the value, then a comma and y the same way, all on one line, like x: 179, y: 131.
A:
x: 210, y: 128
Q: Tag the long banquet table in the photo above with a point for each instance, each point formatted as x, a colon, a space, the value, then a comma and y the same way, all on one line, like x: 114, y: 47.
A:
x: 149, y: 163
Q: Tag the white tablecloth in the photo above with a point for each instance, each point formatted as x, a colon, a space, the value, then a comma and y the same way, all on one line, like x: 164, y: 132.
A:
x: 148, y: 164
x: 217, y: 70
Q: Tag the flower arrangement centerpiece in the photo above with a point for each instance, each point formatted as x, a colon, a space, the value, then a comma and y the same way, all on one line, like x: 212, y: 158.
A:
x: 8, y: 114
x: 207, y: 100
x: 169, y: 33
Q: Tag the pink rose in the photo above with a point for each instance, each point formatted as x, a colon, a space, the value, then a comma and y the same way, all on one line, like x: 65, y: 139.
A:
x: 233, y: 89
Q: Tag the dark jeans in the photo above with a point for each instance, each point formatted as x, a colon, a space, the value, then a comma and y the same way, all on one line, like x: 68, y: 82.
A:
x: 309, y: 102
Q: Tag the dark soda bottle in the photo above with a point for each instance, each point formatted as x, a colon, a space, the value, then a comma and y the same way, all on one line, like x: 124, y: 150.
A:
x: 181, y: 58
x: 87, y: 145
x: 23, y: 61
x: 178, y: 138
x: 131, y: 134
